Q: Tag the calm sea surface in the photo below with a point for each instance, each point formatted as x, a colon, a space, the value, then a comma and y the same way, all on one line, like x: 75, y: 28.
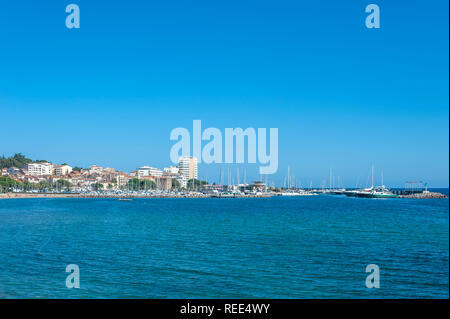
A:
x: 302, y: 247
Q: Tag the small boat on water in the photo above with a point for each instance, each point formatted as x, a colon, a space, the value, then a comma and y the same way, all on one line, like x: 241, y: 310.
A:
x: 336, y: 191
x: 372, y: 192
x: 125, y: 199
x: 376, y: 192
x: 352, y: 192
x: 381, y: 192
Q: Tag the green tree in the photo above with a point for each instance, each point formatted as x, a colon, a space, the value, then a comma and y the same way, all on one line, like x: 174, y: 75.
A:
x: 97, y: 186
x: 7, y: 183
x: 139, y: 184
x: 18, y: 160
x: 195, y: 183
x: 62, y: 184
x: 175, y: 184
x: 43, y: 186
x: 26, y: 186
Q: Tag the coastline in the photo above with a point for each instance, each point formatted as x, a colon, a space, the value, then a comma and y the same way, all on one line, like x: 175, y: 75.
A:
x: 430, y: 195
x: 93, y: 196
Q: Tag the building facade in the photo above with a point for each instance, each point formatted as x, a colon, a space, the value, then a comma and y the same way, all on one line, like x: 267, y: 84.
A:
x: 171, y: 170
x: 61, y: 170
x: 122, y: 179
x: 188, y: 167
x: 148, y: 171
x: 39, y: 169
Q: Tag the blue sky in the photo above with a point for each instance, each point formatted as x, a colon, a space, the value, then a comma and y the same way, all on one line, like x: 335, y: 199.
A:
x: 342, y: 96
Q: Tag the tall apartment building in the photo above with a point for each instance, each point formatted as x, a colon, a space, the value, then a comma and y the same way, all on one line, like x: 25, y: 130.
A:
x: 188, y: 167
x: 39, y: 169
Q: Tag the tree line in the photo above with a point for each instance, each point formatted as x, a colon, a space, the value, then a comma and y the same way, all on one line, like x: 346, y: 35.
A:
x: 18, y: 160
x: 7, y: 184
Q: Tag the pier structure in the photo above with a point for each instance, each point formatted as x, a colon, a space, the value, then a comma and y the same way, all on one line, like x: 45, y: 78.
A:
x: 411, y: 187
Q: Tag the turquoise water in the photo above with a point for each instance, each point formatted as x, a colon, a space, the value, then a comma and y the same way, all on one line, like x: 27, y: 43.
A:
x: 302, y: 247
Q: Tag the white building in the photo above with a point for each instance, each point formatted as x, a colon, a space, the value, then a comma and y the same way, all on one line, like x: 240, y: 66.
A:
x: 148, y: 171
x: 171, y: 170
x: 188, y: 167
x: 39, y: 169
x: 183, y: 180
x: 95, y: 169
x: 61, y: 170
x: 122, y: 179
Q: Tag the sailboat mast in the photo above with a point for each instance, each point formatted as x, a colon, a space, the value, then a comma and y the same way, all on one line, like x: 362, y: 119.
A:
x: 372, y: 175
x: 330, y: 177
x: 288, y: 178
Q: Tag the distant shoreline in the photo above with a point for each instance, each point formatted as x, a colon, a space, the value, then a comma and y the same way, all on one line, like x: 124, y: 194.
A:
x: 68, y: 195
x: 429, y: 195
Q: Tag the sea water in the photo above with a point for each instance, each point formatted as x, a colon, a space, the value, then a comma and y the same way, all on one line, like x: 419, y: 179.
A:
x: 279, y: 247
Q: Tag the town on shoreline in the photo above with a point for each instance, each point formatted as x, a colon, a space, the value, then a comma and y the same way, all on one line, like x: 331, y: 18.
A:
x: 23, y: 178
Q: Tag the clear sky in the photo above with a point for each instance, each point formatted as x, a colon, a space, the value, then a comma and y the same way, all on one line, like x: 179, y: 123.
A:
x: 342, y: 96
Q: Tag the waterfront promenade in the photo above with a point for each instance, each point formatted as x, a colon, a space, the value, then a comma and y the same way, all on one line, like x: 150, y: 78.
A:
x: 164, y: 195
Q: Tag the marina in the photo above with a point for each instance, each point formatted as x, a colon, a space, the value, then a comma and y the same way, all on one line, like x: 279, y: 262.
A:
x: 41, y: 179
x: 376, y: 193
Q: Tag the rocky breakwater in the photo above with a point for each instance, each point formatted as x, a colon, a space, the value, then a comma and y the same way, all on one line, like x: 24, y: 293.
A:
x: 424, y: 195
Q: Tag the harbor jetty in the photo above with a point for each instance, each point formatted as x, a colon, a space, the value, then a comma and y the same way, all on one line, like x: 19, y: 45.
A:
x: 424, y: 195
